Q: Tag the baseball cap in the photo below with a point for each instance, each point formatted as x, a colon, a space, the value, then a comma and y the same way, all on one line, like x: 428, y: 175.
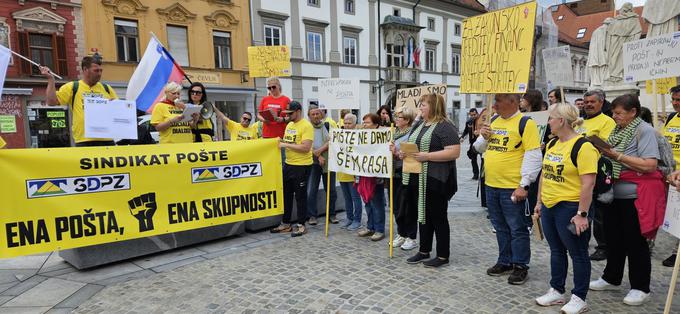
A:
x: 294, y: 106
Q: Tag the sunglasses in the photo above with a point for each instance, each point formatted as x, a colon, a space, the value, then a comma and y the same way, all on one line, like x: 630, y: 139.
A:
x: 196, y: 92
x: 245, y: 118
x: 271, y: 87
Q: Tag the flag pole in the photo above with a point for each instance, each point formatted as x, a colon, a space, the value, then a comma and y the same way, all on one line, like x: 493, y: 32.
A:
x: 328, y: 197
x: 391, y: 198
x: 34, y: 63
x: 173, y: 60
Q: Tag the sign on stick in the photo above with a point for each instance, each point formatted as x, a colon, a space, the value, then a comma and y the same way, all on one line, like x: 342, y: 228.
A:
x: 557, y: 64
x: 338, y: 93
x: 268, y: 61
x: 651, y: 58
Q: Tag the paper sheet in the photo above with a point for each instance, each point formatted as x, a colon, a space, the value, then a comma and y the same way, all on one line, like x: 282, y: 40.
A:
x: 110, y: 118
x: 189, y: 110
x: 411, y: 165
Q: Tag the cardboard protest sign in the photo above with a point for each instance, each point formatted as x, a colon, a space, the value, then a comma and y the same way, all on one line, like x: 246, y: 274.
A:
x: 557, y: 64
x: 410, y: 96
x: 651, y: 58
x: 338, y: 93
x: 268, y: 61
x: 361, y: 152
x: 497, y: 49
x: 671, y: 221
x: 541, y: 119
x: 663, y: 85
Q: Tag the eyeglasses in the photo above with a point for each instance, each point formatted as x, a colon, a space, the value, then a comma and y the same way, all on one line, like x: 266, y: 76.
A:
x: 196, y: 92
x: 271, y: 87
x: 245, y: 118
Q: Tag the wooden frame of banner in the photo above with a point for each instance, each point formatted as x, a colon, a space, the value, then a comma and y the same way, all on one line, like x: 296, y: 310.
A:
x: 562, y: 94
x: 328, y: 198
x: 671, y: 288
x: 391, y: 199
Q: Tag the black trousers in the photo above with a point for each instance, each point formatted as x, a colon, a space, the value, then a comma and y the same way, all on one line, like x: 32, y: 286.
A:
x: 95, y: 143
x: 406, y: 213
x: 436, y: 222
x: 598, y: 227
x: 622, y: 231
x: 295, y: 186
x: 472, y: 154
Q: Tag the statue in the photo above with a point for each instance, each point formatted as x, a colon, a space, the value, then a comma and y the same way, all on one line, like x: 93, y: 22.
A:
x: 597, y: 54
x: 662, y: 16
x: 625, y: 28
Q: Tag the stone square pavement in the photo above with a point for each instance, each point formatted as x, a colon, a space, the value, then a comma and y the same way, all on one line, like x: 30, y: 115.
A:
x: 265, y: 273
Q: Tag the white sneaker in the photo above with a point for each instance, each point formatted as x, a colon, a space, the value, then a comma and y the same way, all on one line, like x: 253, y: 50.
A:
x: 575, y: 306
x: 398, y: 241
x: 553, y: 297
x: 409, y: 244
x: 635, y: 297
x: 602, y: 285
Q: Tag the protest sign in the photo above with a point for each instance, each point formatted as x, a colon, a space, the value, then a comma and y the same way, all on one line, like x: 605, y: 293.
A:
x: 497, y: 50
x: 541, y: 119
x: 663, y: 85
x: 361, y: 152
x: 410, y: 96
x: 651, y: 58
x: 671, y: 221
x: 268, y: 61
x: 60, y: 198
x: 113, y: 118
x: 338, y: 93
x: 557, y: 64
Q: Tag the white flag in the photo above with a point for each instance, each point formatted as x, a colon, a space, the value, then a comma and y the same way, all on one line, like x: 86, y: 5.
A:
x: 4, y: 62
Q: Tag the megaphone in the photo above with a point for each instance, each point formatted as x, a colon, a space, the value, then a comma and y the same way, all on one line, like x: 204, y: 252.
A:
x: 207, y: 110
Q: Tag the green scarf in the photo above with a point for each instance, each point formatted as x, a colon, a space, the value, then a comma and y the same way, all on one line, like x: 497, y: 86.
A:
x: 422, y: 182
x: 399, y: 134
x: 620, y: 138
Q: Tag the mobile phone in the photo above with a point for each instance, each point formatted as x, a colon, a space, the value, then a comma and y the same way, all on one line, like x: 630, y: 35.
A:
x: 572, y: 228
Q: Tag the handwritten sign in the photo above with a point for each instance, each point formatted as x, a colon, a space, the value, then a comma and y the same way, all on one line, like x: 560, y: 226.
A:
x: 8, y: 124
x: 671, y: 221
x: 410, y: 96
x: 268, y: 61
x: 496, y: 52
x: 557, y: 64
x: 541, y: 119
x: 361, y: 152
x: 339, y: 93
x: 663, y: 85
x: 652, y: 58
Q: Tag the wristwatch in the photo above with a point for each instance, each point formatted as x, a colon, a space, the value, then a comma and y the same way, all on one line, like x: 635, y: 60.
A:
x: 581, y: 213
x: 526, y: 188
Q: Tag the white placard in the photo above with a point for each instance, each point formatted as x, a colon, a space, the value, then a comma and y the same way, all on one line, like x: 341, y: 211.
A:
x: 671, y: 221
x: 339, y: 93
x: 541, y: 119
x: 652, y: 58
x: 557, y: 65
x: 361, y: 152
x: 110, y: 118
x: 189, y: 110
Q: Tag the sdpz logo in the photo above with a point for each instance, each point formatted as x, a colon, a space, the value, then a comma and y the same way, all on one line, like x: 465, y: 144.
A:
x: 77, y: 185
x: 219, y: 173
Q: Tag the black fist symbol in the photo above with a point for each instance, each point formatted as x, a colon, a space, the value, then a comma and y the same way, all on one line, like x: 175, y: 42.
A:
x: 143, y: 207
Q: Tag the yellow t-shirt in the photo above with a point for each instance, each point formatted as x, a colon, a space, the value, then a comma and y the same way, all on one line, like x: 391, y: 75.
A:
x: 341, y: 123
x: 600, y: 126
x: 178, y: 132
x: 331, y: 122
x: 205, y: 124
x: 295, y: 133
x: 561, y: 179
x: 64, y: 95
x: 343, y: 177
x: 2, y: 143
x: 505, y: 152
x: 672, y: 133
x: 237, y: 132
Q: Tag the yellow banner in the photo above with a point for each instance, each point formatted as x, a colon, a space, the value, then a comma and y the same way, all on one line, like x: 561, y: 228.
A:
x: 55, y: 199
x: 496, y: 52
x: 663, y: 85
x: 268, y: 61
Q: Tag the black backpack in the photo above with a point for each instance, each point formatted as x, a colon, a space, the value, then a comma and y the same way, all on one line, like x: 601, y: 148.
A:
x: 605, y: 170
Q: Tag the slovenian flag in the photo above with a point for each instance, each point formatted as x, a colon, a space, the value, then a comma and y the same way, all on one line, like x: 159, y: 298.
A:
x: 409, y: 54
x: 156, y: 69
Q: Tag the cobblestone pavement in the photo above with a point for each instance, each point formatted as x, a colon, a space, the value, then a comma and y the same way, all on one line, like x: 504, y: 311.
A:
x: 263, y: 273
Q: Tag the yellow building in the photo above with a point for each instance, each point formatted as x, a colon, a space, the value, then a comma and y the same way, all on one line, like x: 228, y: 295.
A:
x: 208, y: 38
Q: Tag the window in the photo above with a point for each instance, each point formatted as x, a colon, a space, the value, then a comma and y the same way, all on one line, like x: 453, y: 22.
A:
x: 430, y: 59
x: 127, y: 40
x: 222, y: 44
x: 395, y: 53
x: 349, y: 6
x: 456, y: 29
x: 272, y: 35
x: 46, y: 49
x: 314, y: 48
x: 177, y: 42
x: 42, y: 50
x: 581, y: 33
x: 349, y: 45
x: 396, y: 12
x: 430, y: 24
x: 455, y: 63
x: 314, y: 3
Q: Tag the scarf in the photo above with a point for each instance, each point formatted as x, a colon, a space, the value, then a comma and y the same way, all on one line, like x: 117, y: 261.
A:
x: 620, y: 139
x: 422, y: 182
x: 399, y: 134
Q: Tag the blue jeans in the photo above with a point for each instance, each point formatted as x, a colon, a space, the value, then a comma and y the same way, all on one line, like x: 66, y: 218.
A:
x: 508, y: 219
x: 375, y: 210
x: 313, y: 188
x: 352, y: 201
x: 555, y: 221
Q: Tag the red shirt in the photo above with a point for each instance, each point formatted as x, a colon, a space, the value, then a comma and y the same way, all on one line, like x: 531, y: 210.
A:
x: 278, y: 105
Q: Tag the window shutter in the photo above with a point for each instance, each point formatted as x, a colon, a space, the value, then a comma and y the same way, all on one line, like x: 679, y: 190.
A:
x: 62, y: 67
x: 25, y: 67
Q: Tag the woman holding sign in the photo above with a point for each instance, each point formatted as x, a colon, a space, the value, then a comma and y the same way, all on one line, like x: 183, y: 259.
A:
x: 565, y: 193
x: 439, y: 146
x: 167, y: 117
x: 371, y: 191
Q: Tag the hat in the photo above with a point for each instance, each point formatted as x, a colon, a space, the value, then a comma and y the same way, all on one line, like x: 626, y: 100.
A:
x: 294, y: 106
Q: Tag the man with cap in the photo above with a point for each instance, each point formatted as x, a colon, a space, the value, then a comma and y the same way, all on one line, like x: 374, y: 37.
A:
x: 297, y: 141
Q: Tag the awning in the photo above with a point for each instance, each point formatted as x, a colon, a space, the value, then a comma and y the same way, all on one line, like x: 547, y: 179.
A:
x: 17, y: 91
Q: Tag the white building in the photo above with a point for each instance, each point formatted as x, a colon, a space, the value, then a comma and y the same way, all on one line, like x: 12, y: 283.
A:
x: 369, y: 40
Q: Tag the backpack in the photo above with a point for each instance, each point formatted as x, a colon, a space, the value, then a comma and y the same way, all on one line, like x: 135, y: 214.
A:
x: 76, y: 84
x: 522, y: 126
x: 605, y: 171
x: 670, y: 117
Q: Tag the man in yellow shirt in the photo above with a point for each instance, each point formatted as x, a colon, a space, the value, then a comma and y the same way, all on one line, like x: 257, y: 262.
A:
x: 73, y: 94
x: 297, y: 141
x: 671, y: 131
x: 239, y: 131
x: 512, y: 161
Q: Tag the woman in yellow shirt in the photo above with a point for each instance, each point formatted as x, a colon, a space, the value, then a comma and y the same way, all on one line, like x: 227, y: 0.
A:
x: 166, y: 117
x: 565, y: 194
x: 203, y: 132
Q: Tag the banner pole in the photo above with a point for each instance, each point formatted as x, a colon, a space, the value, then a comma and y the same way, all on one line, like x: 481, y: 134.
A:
x: 671, y: 288
x: 391, y: 198
x: 562, y: 94
x: 663, y: 105
x: 328, y: 197
x: 489, y: 108
x: 656, y: 105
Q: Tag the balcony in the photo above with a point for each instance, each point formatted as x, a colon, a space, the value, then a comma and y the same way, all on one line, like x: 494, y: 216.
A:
x: 397, y: 74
